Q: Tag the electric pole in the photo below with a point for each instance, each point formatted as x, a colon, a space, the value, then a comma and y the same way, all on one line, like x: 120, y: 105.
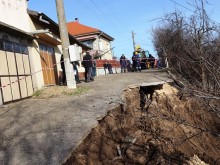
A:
x: 70, y: 77
x: 133, y: 40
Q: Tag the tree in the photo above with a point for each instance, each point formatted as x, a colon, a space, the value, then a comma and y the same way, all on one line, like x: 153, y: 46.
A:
x: 192, y: 47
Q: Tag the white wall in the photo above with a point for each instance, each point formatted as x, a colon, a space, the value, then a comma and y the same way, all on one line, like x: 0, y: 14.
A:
x: 35, y: 63
x: 103, y: 45
x: 14, y: 13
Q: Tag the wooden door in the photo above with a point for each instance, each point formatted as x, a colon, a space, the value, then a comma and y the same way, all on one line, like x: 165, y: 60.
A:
x: 48, y: 62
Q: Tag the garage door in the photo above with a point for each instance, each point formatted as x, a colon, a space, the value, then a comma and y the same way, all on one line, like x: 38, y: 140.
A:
x: 15, y: 73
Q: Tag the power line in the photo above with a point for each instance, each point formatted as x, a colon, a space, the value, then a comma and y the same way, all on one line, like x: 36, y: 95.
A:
x: 115, y: 13
x: 106, y: 16
x: 90, y: 10
x: 181, y: 5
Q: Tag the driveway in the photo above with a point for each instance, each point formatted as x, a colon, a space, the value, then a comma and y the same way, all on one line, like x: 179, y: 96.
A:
x: 45, y: 131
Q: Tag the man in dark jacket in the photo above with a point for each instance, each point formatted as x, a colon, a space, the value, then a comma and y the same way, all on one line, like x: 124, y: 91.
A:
x: 87, y: 63
x: 63, y: 70
x: 123, y: 63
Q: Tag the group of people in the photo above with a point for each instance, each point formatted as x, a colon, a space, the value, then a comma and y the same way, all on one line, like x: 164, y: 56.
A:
x: 139, y: 62
x: 108, y: 67
x: 126, y: 64
x: 90, y: 68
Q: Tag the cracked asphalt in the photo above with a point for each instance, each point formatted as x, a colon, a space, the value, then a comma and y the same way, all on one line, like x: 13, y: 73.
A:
x: 46, y: 131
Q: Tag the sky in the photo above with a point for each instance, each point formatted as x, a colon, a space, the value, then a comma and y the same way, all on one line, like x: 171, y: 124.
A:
x: 118, y: 18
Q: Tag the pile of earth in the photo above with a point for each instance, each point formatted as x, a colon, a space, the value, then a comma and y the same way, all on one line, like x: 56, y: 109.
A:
x: 153, y: 128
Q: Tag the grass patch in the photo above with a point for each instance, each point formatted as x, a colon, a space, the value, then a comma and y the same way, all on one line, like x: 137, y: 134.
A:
x: 76, y: 91
x: 37, y: 93
x: 59, y: 91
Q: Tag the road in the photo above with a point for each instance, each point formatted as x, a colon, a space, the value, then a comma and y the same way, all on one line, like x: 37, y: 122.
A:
x: 46, y: 131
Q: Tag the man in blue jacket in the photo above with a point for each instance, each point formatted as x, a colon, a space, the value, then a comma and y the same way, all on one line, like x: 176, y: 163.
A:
x: 123, y: 63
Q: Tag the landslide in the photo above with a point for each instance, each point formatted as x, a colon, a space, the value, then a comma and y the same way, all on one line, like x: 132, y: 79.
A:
x: 153, y: 126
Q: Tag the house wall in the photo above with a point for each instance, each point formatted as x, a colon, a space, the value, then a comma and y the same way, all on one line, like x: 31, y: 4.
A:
x: 15, y: 13
x: 103, y: 45
x: 35, y: 59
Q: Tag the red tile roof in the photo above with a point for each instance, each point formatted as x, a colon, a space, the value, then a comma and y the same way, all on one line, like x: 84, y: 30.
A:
x: 75, y: 28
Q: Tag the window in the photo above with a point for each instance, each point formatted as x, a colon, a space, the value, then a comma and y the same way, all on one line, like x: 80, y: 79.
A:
x: 1, y: 45
x: 24, y: 50
x: 17, y: 48
x: 88, y: 43
x: 50, y: 50
x: 20, y: 49
x: 8, y: 46
x: 43, y: 48
x: 13, y: 47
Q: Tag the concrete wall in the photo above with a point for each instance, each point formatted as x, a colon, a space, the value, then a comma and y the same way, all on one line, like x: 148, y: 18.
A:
x: 100, y: 71
x: 14, y: 13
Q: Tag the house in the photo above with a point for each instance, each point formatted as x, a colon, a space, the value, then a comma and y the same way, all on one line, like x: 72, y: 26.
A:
x: 30, y: 51
x: 49, y: 48
x: 99, y: 41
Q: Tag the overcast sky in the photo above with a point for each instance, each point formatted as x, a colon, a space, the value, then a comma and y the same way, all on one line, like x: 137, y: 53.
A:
x: 119, y: 18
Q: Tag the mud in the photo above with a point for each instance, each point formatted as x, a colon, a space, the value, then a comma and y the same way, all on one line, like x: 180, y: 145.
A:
x: 153, y: 126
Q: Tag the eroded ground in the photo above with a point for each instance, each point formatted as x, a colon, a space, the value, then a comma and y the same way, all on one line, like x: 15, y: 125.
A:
x: 153, y: 128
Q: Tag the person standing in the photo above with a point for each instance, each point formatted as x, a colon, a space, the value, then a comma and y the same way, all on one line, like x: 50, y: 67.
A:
x: 76, y: 73
x: 136, y: 61
x: 93, y: 67
x: 128, y: 65
x: 87, y: 63
x: 109, y: 65
x: 123, y: 63
x: 63, y: 70
x: 105, y: 65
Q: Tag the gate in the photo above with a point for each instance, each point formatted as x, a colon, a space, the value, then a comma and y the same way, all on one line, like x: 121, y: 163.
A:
x: 14, y: 66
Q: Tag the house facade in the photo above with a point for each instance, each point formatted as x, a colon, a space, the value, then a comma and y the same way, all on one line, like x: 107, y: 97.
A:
x: 99, y: 41
x: 30, y: 51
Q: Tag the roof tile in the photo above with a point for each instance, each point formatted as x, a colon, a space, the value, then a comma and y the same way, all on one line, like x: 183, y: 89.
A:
x: 75, y: 28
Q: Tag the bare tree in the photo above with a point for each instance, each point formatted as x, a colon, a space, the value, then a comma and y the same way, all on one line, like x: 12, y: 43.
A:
x: 192, y: 46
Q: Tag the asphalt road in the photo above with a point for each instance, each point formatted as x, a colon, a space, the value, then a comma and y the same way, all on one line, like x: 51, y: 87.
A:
x: 45, y: 131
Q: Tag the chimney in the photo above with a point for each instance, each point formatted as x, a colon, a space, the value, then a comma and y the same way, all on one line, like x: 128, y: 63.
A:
x: 77, y: 20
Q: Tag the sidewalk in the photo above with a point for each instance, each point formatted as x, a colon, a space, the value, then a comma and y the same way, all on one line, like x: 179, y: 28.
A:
x: 45, y: 131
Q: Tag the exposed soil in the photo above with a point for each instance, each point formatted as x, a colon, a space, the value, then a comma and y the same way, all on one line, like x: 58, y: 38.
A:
x: 153, y: 127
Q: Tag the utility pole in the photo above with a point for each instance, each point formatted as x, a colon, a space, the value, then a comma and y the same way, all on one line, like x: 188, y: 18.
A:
x: 133, y: 40
x: 70, y: 77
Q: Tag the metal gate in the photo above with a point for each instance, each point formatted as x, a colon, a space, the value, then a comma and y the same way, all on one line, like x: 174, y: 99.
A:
x: 15, y: 72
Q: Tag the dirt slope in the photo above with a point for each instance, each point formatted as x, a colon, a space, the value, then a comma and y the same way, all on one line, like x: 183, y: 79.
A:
x: 162, y: 130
